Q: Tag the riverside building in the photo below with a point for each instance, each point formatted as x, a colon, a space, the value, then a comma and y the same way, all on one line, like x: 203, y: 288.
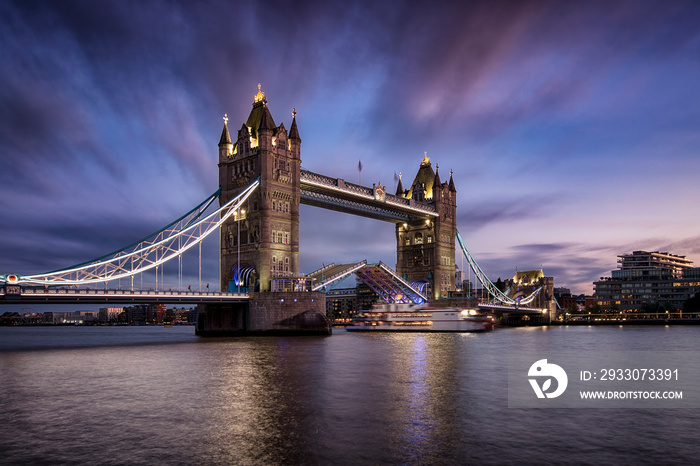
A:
x: 645, y: 278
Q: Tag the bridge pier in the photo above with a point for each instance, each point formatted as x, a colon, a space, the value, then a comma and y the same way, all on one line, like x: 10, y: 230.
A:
x: 525, y: 320
x: 221, y: 319
x: 266, y: 313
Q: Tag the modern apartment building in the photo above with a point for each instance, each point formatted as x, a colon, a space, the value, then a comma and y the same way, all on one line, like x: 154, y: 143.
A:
x: 648, y: 277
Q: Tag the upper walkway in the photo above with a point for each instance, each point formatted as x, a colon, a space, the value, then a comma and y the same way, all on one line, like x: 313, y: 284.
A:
x: 337, y: 194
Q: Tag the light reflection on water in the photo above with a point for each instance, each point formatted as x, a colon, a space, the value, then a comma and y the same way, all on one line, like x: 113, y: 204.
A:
x: 138, y: 395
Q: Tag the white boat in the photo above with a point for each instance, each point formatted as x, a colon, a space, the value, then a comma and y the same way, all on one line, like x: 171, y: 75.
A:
x: 420, y: 318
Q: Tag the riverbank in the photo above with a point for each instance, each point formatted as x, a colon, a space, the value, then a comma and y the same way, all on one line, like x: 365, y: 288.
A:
x: 628, y: 322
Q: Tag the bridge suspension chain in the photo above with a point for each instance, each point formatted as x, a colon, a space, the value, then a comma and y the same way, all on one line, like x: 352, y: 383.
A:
x: 165, y: 244
x: 493, y: 290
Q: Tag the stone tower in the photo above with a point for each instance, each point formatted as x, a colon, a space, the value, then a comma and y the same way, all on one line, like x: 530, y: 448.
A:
x: 268, y: 225
x: 425, y: 249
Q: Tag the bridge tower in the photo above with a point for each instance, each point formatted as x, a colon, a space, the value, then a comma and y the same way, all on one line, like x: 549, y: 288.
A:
x: 268, y: 240
x: 425, y: 249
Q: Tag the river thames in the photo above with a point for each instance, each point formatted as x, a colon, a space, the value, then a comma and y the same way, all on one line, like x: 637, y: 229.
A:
x: 157, y: 395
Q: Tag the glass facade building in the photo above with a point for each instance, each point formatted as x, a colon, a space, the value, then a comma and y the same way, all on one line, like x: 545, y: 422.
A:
x: 645, y: 278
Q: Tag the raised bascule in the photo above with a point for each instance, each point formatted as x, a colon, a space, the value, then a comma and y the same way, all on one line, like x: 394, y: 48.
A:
x: 261, y: 188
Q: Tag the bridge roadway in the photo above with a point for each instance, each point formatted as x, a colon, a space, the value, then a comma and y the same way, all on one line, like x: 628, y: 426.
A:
x: 72, y: 296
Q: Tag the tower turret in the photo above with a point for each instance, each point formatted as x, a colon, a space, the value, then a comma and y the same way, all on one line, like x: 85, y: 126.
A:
x: 399, y: 189
x: 425, y: 247
x: 261, y: 242
x: 294, y: 139
x: 225, y: 144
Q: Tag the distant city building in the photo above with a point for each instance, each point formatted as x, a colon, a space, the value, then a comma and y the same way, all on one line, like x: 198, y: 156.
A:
x: 366, y: 296
x: 80, y: 317
x: 181, y: 314
x: 565, y: 300
x: 463, y: 286
x: 109, y: 314
x: 588, y: 301
x: 459, y: 278
x: 136, y: 314
x: 345, y: 303
x: 156, y: 313
x: 341, y: 303
x: 646, y: 278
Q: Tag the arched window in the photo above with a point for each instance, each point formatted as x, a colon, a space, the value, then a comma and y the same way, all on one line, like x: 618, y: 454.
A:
x: 418, y: 239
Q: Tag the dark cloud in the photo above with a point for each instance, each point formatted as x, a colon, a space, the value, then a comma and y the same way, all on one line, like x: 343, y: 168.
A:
x: 40, y: 245
x: 474, y: 217
x: 484, y: 69
x: 543, y: 248
x: 685, y: 246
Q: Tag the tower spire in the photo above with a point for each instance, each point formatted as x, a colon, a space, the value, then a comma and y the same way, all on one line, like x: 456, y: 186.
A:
x: 293, y: 130
x: 225, y: 136
x: 399, y: 188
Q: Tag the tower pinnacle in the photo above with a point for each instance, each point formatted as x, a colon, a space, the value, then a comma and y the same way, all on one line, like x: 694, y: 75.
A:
x: 225, y: 136
x: 260, y: 96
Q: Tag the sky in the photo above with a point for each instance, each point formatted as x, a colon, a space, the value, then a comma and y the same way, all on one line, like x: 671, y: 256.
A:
x: 572, y: 128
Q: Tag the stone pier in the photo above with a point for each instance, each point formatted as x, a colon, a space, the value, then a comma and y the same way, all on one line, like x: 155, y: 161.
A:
x: 266, y: 313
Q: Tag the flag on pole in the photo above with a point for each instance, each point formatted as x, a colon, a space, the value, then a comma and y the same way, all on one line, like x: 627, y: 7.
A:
x: 396, y: 179
x: 359, y: 168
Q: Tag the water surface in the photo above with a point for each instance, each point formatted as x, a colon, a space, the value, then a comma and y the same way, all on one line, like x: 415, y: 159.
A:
x: 145, y: 395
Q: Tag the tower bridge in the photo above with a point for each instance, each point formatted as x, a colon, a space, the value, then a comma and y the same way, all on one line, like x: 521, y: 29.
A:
x: 264, y: 237
x: 262, y: 186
